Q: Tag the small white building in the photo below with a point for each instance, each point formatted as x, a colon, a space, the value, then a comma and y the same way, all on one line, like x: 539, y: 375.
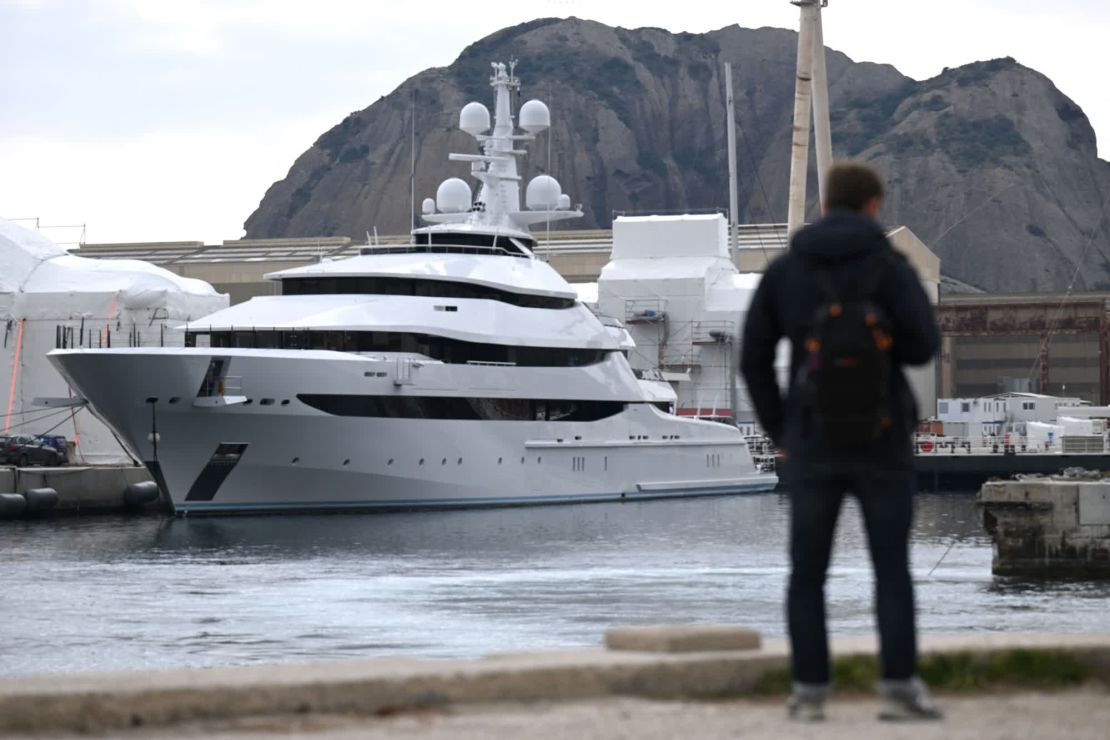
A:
x: 1006, y: 412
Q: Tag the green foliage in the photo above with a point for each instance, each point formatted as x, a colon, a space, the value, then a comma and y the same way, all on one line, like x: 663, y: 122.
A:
x: 1069, y: 112
x: 906, y: 145
x: 971, y: 74
x: 972, y: 142
x: 1021, y: 667
x: 955, y: 672
x: 935, y: 103
x: 863, y: 120
x: 699, y: 71
x: 471, y: 70
x: 651, y: 162
x: 300, y: 197
x: 689, y: 157
x: 643, y: 52
x: 335, y: 138
x: 355, y: 153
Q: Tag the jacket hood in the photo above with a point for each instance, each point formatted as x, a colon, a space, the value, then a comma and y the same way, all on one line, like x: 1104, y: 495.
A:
x: 843, y: 236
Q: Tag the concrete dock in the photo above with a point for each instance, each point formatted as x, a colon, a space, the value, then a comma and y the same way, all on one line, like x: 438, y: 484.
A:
x: 82, y: 489
x: 570, y: 693
x: 1049, y: 526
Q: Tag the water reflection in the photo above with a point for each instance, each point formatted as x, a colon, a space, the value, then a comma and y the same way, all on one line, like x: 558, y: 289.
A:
x: 116, y: 593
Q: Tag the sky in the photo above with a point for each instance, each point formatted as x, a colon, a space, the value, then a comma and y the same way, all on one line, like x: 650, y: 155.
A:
x: 167, y: 120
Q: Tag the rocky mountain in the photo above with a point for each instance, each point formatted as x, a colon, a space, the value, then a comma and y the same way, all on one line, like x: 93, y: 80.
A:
x: 988, y: 163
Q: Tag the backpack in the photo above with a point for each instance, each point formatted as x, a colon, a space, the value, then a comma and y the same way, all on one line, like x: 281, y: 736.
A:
x: 848, y: 364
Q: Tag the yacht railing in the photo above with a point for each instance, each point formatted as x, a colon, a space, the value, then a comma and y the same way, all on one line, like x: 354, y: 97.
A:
x: 440, y: 249
x: 1010, y: 444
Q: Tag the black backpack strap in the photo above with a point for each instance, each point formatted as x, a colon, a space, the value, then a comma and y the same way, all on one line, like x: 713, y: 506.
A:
x: 826, y: 283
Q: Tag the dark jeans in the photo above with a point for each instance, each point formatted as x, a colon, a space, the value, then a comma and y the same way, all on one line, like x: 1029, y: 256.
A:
x: 886, y: 501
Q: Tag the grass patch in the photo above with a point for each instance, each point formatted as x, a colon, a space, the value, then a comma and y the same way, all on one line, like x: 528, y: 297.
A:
x: 954, y: 672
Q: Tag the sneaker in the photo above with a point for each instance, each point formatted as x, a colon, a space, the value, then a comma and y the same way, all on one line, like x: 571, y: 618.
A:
x: 907, y: 700
x: 807, y: 703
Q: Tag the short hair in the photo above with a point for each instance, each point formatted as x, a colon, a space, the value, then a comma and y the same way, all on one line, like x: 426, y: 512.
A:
x: 851, y: 185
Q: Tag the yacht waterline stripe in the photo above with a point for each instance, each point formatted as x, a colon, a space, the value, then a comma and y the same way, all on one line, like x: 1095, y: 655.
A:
x: 757, y: 487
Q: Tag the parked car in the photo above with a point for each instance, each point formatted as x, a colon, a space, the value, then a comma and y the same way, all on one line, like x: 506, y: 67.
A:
x: 27, y: 449
x: 58, y: 442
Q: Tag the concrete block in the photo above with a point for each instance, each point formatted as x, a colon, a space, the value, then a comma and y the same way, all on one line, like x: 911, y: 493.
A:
x: 80, y: 488
x: 7, y: 480
x: 1094, y: 503
x: 112, y: 704
x: 692, y: 638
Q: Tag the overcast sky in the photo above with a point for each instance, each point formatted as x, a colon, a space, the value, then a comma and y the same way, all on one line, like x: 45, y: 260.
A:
x: 161, y: 120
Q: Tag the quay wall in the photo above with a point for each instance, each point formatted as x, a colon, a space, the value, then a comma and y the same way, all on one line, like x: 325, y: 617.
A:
x: 95, y: 489
x: 111, y: 703
x: 1048, y: 526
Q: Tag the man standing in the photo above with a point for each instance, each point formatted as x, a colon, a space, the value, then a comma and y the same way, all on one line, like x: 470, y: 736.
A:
x: 855, y: 312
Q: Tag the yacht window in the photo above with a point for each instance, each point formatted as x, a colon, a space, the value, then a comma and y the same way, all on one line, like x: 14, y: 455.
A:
x: 451, y: 351
x: 455, y: 407
x: 417, y: 287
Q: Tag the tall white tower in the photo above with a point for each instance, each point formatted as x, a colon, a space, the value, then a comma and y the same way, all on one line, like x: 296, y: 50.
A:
x: 811, y: 94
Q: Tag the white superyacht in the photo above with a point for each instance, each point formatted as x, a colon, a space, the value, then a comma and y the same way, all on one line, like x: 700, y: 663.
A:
x: 459, y: 370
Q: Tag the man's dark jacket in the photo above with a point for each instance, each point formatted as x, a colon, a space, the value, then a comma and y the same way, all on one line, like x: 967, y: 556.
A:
x: 852, y: 249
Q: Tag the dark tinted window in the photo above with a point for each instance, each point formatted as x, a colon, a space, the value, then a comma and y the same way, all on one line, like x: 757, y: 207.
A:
x: 451, y: 351
x: 489, y: 241
x: 451, y: 407
x: 414, y: 286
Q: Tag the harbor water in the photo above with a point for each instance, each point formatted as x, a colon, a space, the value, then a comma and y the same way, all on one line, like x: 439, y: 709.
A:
x: 119, y: 593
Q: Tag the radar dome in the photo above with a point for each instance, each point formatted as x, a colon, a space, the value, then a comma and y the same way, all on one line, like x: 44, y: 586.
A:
x: 428, y: 206
x: 543, y: 193
x: 534, y: 117
x: 453, y: 196
x: 564, y: 202
x: 474, y: 118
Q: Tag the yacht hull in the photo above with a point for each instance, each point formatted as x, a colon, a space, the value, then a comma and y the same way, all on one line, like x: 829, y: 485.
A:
x: 276, y: 453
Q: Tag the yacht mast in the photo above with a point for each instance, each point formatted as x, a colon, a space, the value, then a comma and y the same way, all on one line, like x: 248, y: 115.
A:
x: 497, y: 206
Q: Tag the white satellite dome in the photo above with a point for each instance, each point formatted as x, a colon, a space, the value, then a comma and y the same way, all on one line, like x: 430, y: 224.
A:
x: 534, y: 117
x: 428, y: 206
x: 564, y: 202
x: 453, y: 196
x: 474, y: 118
x: 543, y: 193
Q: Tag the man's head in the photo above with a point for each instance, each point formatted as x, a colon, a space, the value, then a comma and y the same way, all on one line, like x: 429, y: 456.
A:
x: 854, y: 187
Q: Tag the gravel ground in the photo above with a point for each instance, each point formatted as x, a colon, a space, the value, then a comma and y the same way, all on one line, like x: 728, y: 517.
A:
x: 1076, y: 715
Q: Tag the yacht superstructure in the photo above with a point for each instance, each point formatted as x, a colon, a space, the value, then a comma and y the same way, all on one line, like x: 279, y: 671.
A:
x: 458, y: 370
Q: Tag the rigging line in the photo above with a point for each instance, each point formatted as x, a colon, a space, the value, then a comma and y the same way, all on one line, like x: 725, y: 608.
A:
x: 44, y: 412
x: 48, y: 431
x: 942, y: 557
x: 41, y: 418
x: 1067, y: 296
x: 123, y: 447
x: 973, y: 211
x: 762, y: 189
x: 37, y: 410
